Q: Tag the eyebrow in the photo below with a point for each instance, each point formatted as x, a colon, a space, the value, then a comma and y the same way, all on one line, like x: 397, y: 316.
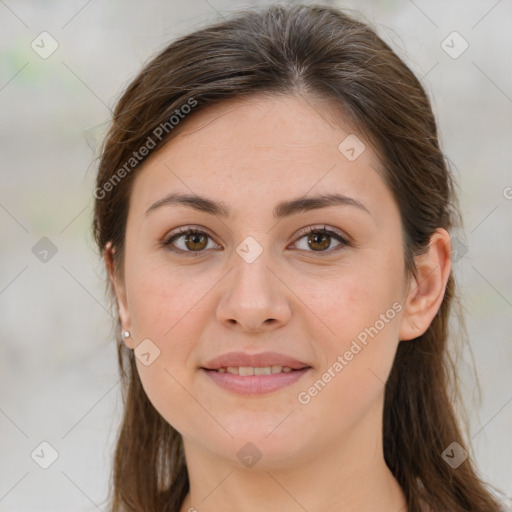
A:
x: 283, y: 209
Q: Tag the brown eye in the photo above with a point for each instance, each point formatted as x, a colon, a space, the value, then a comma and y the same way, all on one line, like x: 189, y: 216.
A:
x: 196, y: 241
x: 190, y: 240
x: 319, y: 240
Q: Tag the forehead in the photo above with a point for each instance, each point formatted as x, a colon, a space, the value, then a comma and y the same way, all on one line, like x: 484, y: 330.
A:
x: 264, y: 126
x: 250, y: 151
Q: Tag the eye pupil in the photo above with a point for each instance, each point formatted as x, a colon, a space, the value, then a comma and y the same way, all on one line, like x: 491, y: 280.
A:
x: 193, y: 238
x: 315, y: 238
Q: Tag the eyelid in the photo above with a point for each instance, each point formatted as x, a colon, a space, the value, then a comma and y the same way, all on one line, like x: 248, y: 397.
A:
x: 183, y: 230
x: 323, y: 228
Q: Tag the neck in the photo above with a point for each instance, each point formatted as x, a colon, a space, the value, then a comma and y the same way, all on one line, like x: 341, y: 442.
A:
x: 349, y: 475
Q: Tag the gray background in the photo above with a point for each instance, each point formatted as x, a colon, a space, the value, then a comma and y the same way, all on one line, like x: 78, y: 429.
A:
x: 58, y: 368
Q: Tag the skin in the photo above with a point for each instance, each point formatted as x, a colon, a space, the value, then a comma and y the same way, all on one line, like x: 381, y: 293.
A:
x: 321, y: 456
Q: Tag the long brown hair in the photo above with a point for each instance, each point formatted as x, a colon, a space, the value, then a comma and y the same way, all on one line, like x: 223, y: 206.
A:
x: 313, y: 51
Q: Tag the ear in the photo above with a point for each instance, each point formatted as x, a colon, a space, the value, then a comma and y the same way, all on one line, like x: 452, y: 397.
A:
x: 120, y: 291
x: 426, y: 291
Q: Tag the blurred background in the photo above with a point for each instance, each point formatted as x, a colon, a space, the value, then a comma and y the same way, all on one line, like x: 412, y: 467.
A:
x: 62, y: 67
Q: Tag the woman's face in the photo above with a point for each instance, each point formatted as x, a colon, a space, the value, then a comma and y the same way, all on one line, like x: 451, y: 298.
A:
x: 254, y: 280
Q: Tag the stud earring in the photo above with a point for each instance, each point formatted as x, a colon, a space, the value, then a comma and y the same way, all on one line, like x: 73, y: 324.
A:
x: 126, y: 334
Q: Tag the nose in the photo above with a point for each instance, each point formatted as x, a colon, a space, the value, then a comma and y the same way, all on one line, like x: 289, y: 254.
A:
x: 254, y: 297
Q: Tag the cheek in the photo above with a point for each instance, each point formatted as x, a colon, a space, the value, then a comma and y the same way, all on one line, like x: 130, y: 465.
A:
x: 162, y: 301
x: 165, y: 386
x: 164, y: 308
x: 362, y: 309
x: 358, y: 362
x: 347, y: 302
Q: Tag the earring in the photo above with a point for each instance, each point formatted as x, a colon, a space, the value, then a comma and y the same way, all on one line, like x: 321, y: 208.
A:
x: 126, y: 334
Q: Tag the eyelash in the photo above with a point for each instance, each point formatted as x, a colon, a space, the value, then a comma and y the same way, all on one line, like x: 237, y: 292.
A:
x: 302, y: 233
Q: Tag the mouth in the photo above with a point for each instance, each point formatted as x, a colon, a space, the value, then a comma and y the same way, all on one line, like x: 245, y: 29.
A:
x: 246, y: 380
x: 247, y: 371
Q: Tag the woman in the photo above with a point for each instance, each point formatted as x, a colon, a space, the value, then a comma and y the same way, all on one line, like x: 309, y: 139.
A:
x: 274, y: 211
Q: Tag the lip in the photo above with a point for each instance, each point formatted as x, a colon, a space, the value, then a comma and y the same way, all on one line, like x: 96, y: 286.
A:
x: 260, y: 360
x: 254, y: 384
